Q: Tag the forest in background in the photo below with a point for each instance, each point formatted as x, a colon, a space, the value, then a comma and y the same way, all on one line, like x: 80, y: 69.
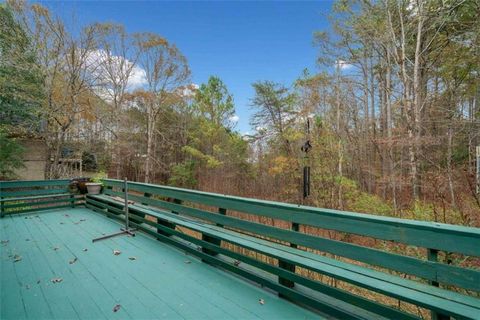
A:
x: 394, y: 112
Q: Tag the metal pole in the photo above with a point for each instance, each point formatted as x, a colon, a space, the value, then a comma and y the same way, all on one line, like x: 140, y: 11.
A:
x: 125, y: 230
x: 125, y: 187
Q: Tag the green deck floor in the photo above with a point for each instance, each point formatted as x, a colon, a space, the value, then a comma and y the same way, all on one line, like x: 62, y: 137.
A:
x: 162, y: 283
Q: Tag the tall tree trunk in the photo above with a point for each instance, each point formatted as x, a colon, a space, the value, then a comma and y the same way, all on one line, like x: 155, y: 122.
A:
x: 388, y: 105
x: 150, y: 132
x: 415, y: 131
x: 449, y: 167
x: 118, y: 156
x: 339, y: 143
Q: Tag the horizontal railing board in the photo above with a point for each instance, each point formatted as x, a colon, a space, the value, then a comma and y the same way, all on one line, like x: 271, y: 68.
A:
x: 49, y: 196
x: 430, y: 270
x: 33, y: 192
x: 40, y: 209
x: 318, y: 286
x: 424, y: 234
x: 30, y: 204
x: 33, y: 183
x: 105, y: 206
x: 442, y: 302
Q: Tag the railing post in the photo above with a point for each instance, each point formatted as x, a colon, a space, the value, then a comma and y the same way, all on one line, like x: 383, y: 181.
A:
x: 432, y: 255
x: 146, y: 195
x: 72, y: 196
x: 72, y: 185
x: 213, y: 240
x: 2, y: 209
x: 288, y: 266
x: 166, y: 223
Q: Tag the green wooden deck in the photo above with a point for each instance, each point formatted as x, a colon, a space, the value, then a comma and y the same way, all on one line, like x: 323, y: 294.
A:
x: 162, y: 282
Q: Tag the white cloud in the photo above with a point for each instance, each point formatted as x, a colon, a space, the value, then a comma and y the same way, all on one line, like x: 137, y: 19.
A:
x: 261, y: 130
x: 189, y: 90
x: 138, y: 78
x: 234, y: 118
x: 104, y: 64
x: 343, y: 65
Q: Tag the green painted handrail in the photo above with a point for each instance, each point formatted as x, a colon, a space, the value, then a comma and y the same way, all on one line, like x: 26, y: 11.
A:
x: 429, y: 270
x: 33, y: 183
x: 220, y: 227
x: 445, y: 237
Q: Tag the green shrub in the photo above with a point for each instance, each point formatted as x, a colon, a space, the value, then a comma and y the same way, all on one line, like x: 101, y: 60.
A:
x: 11, y: 157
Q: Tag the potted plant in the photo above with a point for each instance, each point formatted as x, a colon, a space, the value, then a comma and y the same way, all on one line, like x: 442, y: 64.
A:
x: 95, y: 185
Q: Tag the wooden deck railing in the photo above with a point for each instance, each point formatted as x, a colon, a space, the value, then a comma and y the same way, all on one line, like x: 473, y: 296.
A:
x: 35, y: 195
x: 285, y: 247
x: 427, y: 281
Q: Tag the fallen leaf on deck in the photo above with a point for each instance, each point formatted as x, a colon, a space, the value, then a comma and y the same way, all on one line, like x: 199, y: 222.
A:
x: 57, y: 280
x: 236, y: 263
x: 188, y: 261
x: 261, y: 301
x: 116, y: 252
x: 132, y: 258
x: 73, y: 261
x: 16, y: 258
x: 116, y: 308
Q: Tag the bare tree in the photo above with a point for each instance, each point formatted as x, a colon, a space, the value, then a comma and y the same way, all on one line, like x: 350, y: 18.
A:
x: 117, y: 72
x: 65, y: 64
x: 166, y: 71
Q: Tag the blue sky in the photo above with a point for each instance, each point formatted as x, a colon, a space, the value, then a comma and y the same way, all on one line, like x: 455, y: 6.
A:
x: 240, y: 42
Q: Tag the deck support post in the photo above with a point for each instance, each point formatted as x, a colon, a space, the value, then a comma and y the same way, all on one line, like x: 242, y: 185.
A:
x: 288, y: 266
x: 146, y: 195
x: 213, y: 240
x: 103, y: 191
x: 2, y: 209
x: 432, y: 255
x: 166, y: 223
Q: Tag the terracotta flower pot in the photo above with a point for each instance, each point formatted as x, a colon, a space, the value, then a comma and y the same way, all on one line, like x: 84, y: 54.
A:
x: 93, y: 187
